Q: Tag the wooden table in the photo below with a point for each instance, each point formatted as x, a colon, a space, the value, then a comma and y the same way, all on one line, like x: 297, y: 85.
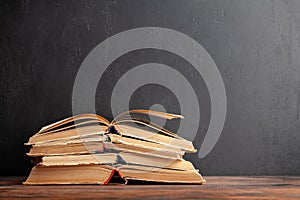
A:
x: 217, y: 187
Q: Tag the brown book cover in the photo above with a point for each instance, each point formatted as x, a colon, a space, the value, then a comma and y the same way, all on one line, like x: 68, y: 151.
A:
x: 103, y: 174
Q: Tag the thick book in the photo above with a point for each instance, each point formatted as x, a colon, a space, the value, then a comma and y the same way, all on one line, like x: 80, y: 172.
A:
x: 103, y: 174
x: 130, y: 147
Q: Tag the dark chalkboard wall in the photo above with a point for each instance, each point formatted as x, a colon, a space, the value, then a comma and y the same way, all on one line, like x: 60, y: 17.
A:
x: 255, y: 44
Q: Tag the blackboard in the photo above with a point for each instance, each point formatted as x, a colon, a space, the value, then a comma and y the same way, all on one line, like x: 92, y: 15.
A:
x: 255, y: 45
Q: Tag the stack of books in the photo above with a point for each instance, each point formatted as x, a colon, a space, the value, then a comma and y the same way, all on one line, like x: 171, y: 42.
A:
x: 88, y: 149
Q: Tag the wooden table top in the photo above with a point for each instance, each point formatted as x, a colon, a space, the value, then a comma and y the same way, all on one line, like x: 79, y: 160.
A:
x: 217, y: 187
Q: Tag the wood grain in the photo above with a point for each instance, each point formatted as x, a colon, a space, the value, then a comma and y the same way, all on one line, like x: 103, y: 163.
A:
x: 217, y: 187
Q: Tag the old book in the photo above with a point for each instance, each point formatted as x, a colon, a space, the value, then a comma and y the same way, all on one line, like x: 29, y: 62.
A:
x: 122, y: 158
x: 130, y: 147
x: 125, y: 125
x: 98, y: 147
x: 102, y: 174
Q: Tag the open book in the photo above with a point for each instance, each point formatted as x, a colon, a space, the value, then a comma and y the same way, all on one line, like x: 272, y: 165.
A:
x: 88, y: 149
